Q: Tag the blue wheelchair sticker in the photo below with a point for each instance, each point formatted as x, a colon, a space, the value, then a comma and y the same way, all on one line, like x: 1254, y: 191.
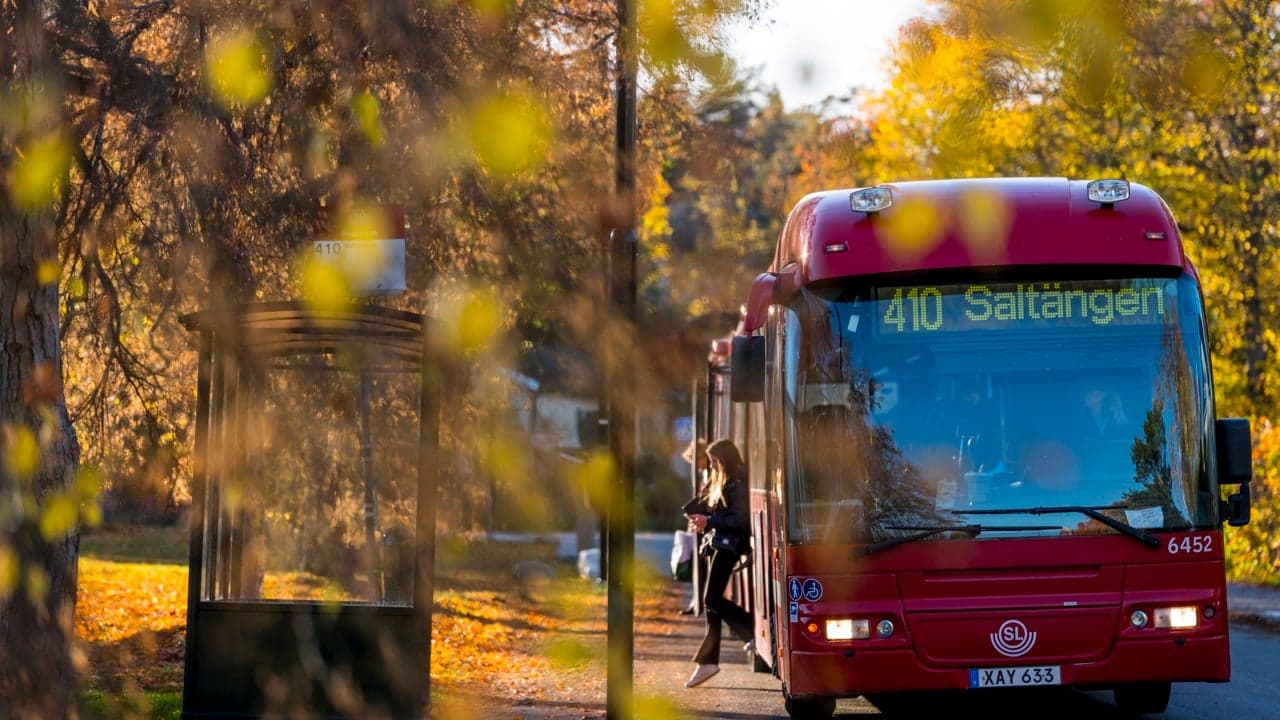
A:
x: 812, y: 590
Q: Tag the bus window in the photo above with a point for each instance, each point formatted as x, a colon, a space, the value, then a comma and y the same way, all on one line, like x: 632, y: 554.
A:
x: 982, y: 414
x: 830, y: 474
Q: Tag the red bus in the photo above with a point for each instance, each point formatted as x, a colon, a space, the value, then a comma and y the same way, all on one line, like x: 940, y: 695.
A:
x: 980, y: 423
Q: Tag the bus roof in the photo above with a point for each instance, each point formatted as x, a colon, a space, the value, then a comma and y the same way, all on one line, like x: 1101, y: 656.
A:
x: 990, y: 222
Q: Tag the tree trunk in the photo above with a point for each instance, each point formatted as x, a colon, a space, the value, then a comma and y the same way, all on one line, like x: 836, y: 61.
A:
x: 37, y: 471
x: 39, y: 505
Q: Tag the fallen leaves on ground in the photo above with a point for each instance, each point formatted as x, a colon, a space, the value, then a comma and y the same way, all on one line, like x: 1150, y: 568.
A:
x: 130, y: 618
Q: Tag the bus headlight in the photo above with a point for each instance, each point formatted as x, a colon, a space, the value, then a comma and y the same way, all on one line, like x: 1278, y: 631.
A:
x: 848, y: 629
x: 1177, y: 618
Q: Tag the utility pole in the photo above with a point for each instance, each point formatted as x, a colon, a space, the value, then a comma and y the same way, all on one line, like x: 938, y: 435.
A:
x: 620, y: 380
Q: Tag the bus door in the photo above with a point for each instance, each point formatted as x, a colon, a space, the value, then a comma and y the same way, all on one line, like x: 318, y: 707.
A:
x: 767, y: 457
x: 764, y: 568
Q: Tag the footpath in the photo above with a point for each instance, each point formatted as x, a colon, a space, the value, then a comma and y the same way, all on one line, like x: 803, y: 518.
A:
x: 661, y: 663
x: 1254, y: 604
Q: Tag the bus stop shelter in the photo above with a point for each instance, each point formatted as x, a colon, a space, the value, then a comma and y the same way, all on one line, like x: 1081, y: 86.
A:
x: 312, y: 514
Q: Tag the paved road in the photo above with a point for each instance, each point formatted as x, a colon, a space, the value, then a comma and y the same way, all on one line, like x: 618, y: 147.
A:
x: 652, y: 548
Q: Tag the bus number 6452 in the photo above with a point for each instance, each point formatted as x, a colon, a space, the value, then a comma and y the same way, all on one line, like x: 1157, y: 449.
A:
x: 1187, y: 544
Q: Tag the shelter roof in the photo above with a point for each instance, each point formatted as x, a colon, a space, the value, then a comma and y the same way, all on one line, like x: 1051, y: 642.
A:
x: 278, y: 328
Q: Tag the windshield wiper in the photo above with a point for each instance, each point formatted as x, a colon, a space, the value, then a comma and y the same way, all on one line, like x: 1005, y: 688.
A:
x: 1091, y: 511
x: 924, y: 531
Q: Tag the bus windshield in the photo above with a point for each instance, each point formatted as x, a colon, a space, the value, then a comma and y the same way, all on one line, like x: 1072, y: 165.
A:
x: 911, y: 407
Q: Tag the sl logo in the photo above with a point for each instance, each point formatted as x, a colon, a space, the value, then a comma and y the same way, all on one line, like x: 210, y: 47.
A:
x: 1012, y: 639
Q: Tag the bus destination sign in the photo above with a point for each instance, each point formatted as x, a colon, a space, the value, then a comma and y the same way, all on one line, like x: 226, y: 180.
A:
x: 993, y: 306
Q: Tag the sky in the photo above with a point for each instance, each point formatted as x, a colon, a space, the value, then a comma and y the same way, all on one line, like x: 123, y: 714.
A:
x: 811, y: 49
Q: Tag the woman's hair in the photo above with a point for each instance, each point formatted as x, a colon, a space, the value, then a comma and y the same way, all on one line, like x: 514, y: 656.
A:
x: 726, y: 462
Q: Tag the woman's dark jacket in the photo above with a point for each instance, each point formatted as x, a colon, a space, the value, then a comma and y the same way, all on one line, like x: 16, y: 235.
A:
x: 730, y: 518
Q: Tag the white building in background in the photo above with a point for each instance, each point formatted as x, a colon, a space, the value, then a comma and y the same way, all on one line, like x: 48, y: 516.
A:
x: 555, y: 398
x: 559, y: 403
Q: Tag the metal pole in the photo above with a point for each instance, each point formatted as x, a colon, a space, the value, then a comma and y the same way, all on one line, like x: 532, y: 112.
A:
x: 198, y: 550
x: 701, y: 408
x: 621, y: 382
x: 371, y: 548
x: 429, y: 405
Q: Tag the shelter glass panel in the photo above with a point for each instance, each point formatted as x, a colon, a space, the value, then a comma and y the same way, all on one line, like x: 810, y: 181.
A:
x: 317, y: 499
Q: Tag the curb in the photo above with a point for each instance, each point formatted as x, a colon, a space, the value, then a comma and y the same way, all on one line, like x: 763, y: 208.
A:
x: 1269, y: 621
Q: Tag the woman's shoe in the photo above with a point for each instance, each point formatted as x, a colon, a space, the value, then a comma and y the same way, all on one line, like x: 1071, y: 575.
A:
x: 701, y: 674
x: 749, y: 647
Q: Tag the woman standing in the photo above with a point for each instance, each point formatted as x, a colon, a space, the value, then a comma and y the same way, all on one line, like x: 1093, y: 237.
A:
x: 725, y: 515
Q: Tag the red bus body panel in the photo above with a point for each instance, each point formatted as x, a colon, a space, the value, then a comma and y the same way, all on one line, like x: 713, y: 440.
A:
x: 946, y: 600
x: 943, y: 224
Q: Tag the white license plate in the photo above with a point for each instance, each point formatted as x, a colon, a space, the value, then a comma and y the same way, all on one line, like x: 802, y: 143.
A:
x: 1015, y: 676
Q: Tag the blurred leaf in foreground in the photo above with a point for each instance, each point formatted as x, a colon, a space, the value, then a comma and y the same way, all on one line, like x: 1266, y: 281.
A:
x: 236, y: 68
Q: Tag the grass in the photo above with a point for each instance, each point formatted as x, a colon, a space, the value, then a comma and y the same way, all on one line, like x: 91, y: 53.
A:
x: 167, y: 545
x: 492, y: 631
x: 98, y: 705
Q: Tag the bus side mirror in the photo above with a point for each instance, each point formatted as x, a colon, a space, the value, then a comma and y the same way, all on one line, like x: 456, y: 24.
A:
x: 746, y: 374
x: 1235, y: 467
x: 1235, y: 509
